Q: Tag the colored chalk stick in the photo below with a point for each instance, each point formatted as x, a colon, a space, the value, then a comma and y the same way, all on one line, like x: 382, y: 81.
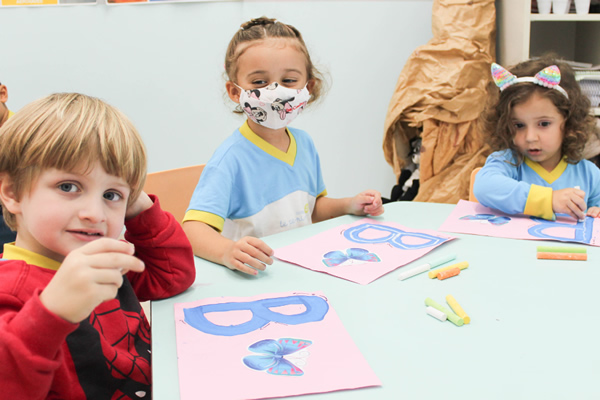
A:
x: 561, y: 249
x: 462, y: 265
x: 457, y: 308
x: 415, y: 271
x: 448, y: 273
x: 455, y: 319
x: 435, y: 313
x: 561, y: 256
x: 436, y: 262
x: 426, y: 267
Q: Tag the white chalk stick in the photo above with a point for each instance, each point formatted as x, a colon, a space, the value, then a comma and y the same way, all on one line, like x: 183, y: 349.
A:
x: 436, y: 313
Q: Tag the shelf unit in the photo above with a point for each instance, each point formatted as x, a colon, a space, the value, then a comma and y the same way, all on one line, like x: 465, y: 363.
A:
x: 522, y: 35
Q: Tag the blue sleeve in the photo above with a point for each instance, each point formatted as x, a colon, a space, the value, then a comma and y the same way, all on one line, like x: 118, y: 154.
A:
x: 320, y: 182
x: 497, y: 185
x: 213, y: 192
x: 593, y: 184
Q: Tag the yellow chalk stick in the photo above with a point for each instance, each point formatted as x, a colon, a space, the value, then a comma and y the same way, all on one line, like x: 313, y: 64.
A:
x: 458, y: 309
x: 462, y: 265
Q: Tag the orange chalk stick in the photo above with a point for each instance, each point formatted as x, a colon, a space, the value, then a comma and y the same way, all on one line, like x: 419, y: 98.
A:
x: 561, y: 256
x: 448, y: 273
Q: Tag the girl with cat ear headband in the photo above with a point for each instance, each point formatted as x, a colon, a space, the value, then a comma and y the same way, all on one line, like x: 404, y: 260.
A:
x: 538, y: 124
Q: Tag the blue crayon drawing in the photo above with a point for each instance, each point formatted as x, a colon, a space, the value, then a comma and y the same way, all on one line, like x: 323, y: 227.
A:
x: 350, y: 257
x: 316, y: 309
x: 272, y: 355
x: 395, y: 237
x: 582, y: 230
x: 491, y: 218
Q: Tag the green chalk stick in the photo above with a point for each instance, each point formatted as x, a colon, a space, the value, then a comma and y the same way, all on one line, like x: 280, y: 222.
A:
x: 561, y: 249
x: 455, y: 319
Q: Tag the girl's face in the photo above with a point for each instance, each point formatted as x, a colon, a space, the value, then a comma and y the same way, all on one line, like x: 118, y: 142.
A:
x: 539, y: 130
x: 271, y: 60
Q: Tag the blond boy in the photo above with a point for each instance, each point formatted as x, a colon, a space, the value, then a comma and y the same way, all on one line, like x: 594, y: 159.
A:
x: 71, y: 326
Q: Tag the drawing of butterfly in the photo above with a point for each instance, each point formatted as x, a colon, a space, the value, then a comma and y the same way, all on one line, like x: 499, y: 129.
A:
x: 272, y: 356
x: 491, y: 218
x: 337, y: 257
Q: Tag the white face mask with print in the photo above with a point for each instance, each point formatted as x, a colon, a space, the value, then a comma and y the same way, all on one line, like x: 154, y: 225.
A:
x: 273, y: 106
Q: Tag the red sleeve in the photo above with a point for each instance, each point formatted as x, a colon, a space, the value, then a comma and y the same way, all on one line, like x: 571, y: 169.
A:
x: 31, y: 338
x: 161, y: 243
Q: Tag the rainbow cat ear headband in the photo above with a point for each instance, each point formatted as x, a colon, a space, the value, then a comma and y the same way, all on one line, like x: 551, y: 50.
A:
x: 548, y: 77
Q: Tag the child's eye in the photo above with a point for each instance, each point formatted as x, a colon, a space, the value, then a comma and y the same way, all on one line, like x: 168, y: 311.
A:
x: 289, y: 81
x: 68, y: 187
x: 259, y: 83
x: 518, y: 125
x: 545, y: 124
x: 112, y: 196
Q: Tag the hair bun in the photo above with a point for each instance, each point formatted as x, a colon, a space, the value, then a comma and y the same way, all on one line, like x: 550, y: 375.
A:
x: 261, y: 21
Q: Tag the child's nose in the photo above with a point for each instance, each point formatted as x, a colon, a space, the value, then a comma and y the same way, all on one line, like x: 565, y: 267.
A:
x: 531, y: 135
x: 92, y: 210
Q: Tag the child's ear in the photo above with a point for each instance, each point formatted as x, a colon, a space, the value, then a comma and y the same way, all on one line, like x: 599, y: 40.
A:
x: 310, y: 85
x: 8, y: 195
x: 3, y: 94
x: 233, y: 91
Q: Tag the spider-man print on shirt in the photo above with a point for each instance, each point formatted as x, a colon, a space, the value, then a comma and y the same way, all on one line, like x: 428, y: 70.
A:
x: 122, y: 339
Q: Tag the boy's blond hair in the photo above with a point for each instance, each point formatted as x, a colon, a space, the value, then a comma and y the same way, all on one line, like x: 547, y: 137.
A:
x: 68, y: 131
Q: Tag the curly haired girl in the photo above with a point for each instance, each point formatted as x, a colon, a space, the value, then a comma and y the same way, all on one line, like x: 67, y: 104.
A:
x: 538, y: 125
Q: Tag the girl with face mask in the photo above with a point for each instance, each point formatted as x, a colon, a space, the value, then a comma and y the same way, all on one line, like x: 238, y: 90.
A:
x: 266, y: 177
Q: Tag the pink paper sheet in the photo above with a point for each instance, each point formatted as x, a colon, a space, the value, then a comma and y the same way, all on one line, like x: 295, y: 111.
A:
x: 473, y: 218
x: 362, y: 251
x: 298, y: 336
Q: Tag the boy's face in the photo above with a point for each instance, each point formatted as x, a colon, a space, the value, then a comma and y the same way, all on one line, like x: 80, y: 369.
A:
x: 65, y: 210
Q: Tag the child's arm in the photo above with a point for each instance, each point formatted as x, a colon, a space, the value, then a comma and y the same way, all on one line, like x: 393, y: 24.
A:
x: 163, y: 247
x: 500, y: 185
x: 368, y: 202
x: 28, y: 362
x: 248, y: 255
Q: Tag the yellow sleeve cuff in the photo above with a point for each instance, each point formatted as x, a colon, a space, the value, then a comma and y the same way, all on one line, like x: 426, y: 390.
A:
x: 323, y: 193
x: 539, y: 202
x: 208, y: 218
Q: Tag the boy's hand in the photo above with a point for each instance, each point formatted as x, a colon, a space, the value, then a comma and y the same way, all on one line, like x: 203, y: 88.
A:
x: 248, y: 255
x: 593, y: 212
x: 89, y: 276
x: 367, y: 202
x: 569, y: 201
x: 142, y: 203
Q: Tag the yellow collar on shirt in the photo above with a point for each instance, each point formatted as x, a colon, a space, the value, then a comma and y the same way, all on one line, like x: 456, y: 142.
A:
x: 12, y: 252
x: 549, y: 177
x: 268, y: 148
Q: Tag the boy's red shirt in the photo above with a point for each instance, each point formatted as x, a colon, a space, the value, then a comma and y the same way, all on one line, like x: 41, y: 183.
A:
x: 42, y: 356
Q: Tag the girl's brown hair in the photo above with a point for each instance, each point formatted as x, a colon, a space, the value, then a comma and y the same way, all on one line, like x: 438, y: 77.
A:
x: 264, y: 28
x: 495, y: 120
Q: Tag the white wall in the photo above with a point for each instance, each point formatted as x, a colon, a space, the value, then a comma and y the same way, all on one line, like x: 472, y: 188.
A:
x: 162, y: 65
